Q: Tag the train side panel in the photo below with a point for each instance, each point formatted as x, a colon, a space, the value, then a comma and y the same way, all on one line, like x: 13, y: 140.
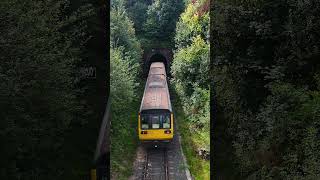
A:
x: 156, y: 99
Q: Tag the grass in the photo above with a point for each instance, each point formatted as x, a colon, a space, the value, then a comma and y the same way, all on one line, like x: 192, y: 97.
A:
x: 199, y: 168
x: 124, y: 139
x: 123, y: 145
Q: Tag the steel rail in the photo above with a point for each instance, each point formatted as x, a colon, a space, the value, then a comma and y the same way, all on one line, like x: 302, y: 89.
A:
x: 165, y: 172
x: 146, y: 167
x: 165, y: 161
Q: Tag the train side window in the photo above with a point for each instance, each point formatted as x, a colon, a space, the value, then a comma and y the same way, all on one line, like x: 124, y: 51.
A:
x: 155, y: 122
x: 166, y: 121
x: 144, y: 122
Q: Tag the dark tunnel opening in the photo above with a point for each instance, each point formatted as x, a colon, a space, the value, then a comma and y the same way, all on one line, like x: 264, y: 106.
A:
x: 156, y: 58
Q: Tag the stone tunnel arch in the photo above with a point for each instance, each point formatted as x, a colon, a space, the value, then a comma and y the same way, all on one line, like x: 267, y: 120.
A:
x: 157, y: 55
x: 157, y: 58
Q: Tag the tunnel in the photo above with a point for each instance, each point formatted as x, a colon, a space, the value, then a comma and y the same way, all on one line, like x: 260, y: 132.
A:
x: 157, y: 58
x: 164, y: 55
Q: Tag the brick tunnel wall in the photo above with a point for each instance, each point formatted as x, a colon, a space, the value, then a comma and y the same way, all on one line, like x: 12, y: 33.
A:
x: 166, y: 53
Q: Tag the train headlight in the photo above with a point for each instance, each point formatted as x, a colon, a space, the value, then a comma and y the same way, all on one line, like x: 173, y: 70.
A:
x: 144, y: 132
x: 167, y: 132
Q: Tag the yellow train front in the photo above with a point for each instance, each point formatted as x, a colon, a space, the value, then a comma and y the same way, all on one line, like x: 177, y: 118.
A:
x: 155, y: 121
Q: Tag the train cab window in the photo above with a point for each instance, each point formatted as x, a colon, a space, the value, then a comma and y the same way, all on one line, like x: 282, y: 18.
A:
x: 144, y: 122
x: 166, y: 121
x: 155, y: 121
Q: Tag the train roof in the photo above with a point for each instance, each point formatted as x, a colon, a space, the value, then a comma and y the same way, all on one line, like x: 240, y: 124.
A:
x: 156, y: 94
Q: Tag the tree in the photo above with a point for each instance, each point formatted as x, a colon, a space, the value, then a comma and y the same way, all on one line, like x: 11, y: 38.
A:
x: 190, y: 65
x: 190, y: 71
x: 191, y: 24
x: 125, y: 55
x: 265, y: 73
x: 122, y: 33
x: 161, y: 19
x: 38, y: 85
x: 137, y: 11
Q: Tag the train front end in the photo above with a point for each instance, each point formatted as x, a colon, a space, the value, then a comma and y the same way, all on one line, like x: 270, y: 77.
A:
x: 156, y: 126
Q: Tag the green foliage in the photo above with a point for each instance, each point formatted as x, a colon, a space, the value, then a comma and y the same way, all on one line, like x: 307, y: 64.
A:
x: 266, y: 81
x: 138, y: 13
x: 285, y: 138
x: 39, y: 101
x: 122, y: 33
x: 191, y: 24
x: 190, y: 69
x: 190, y: 66
x: 123, y: 105
x: 155, y: 21
x: 122, y: 84
x: 199, y: 168
x: 161, y: 19
x: 125, y: 54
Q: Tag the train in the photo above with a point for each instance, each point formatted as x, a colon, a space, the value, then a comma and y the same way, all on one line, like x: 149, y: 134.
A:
x: 155, y: 118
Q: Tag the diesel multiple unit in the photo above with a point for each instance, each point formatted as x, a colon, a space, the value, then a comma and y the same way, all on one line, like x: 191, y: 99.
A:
x: 155, y: 120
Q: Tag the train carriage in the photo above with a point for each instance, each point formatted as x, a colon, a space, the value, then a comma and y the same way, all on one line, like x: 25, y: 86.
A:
x: 155, y: 120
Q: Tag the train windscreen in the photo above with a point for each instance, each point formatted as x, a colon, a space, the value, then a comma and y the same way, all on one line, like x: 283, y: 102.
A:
x: 155, y: 120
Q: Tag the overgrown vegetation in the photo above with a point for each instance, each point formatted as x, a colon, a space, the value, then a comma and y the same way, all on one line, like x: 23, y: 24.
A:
x: 155, y: 21
x: 200, y: 168
x: 266, y: 80
x: 125, y: 54
x: 48, y: 128
x: 190, y: 77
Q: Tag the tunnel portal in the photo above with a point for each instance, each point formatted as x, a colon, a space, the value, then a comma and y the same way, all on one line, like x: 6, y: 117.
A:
x: 157, y: 55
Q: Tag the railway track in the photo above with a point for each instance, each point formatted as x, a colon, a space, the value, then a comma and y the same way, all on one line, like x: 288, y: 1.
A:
x: 156, y: 165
